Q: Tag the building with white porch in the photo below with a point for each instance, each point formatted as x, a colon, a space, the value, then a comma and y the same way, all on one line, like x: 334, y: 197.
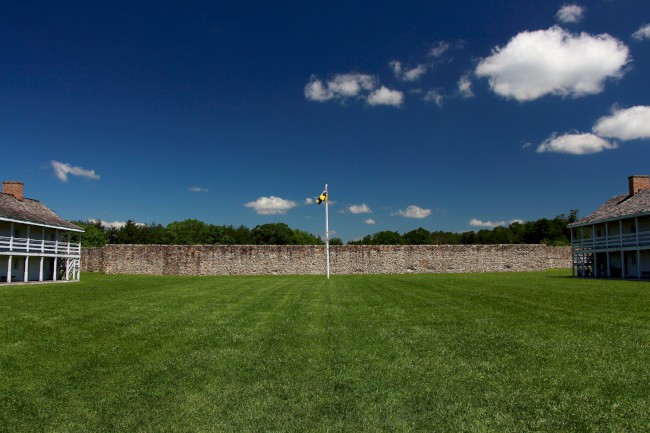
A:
x: 614, y: 241
x: 35, y: 243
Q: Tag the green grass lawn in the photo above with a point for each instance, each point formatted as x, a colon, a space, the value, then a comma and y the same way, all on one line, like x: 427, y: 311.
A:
x: 508, y: 352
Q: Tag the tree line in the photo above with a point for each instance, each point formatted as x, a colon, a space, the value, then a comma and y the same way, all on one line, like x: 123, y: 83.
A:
x: 542, y: 231
x: 193, y: 232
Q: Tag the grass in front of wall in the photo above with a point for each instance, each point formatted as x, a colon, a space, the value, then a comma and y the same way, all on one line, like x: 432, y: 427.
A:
x: 508, y: 352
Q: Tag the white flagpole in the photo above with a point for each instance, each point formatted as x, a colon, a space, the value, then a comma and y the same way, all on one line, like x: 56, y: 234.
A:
x: 327, y: 232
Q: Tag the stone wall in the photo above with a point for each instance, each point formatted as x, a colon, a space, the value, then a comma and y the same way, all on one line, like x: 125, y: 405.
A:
x: 293, y: 259
x: 92, y: 259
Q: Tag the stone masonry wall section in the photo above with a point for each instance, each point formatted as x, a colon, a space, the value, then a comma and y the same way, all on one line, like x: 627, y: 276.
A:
x: 308, y: 259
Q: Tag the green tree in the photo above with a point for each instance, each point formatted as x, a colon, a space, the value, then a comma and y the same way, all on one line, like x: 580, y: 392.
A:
x: 501, y: 235
x: 273, y: 234
x: 366, y: 240
x: 517, y: 232
x: 468, y: 238
x: 94, y: 233
x: 445, y: 238
x: 484, y: 236
x: 156, y: 234
x: 419, y: 236
x: 130, y: 233
x: 219, y: 235
x: 302, y: 237
x: 241, y: 235
x: 189, y: 232
x: 387, y: 238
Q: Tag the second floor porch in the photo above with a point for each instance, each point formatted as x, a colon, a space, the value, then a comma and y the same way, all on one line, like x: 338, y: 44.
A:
x: 16, y: 245
x: 625, y: 233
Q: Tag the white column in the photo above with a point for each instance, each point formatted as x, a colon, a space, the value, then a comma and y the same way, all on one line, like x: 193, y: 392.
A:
x: 620, y: 232
x: 573, y: 257
x: 28, y: 234
x: 11, y: 237
x: 9, y: 264
x: 593, y: 236
x: 79, y: 268
x: 42, y: 242
x: 26, y: 273
x: 56, y: 263
x: 40, y: 272
x: 622, y: 264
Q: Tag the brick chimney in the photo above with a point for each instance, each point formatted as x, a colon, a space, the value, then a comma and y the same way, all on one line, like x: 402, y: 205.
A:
x: 638, y: 183
x: 13, y: 188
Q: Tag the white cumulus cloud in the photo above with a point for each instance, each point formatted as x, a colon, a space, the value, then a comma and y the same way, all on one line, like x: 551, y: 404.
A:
x: 479, y: 223
x: 351, y: 84
x: 625, y: 124
x: 465, y: 87
x: 575, y: 144
x: 414, y: 73
x: 346, y: 86
x: 407, y: 74
x: 642, y: 33
x: 436, y: 96
x: 341, y: 86
x: 553, y: 62
x: 370, y: 221
x: 570, y: 14
x: 271, y: 205
x: 396, y: 66
x: 62, y: 170
x: 315, y: 90
x: 439, y: 49
x: 113, y: 224
x: 197, y: 189
x: 359, y: 208
x: 413, y: 212
x: 386, y: 96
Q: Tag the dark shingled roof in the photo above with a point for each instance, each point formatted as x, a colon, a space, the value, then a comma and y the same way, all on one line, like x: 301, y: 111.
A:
x: 32, y: 211
x: 619, y: 207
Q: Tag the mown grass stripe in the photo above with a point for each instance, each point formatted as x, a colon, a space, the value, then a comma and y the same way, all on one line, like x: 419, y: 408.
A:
x: 470, y: 352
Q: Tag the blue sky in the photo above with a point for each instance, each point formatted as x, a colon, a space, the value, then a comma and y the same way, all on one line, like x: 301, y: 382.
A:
x: 450, y: 116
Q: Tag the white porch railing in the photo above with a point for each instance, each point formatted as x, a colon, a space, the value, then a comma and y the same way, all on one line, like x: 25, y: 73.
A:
x: 24, y: 245
x: 613, y: 241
